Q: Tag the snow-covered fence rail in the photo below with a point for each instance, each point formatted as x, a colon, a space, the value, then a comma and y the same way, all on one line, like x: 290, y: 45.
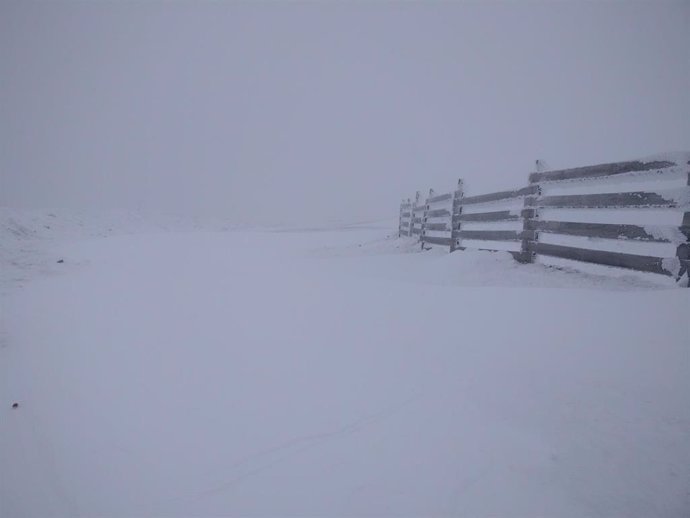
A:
x: 572, y: 215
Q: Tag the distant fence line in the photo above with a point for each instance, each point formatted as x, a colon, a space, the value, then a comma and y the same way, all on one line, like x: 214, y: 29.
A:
x: 449, y: 214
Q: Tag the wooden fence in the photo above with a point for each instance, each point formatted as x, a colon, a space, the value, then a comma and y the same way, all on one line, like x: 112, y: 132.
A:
x: 451, y: 219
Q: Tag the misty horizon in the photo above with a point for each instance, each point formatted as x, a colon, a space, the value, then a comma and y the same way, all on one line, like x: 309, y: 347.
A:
x: 271, y: 113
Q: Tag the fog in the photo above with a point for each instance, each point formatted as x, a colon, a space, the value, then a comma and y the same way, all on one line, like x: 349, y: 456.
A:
x: 272, y: 112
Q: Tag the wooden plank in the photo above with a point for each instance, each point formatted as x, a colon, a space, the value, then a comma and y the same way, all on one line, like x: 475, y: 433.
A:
x: 416, y: 220
x: 419, y: 209
x: 438, y: 226
x: 438, y: 213
x: 406, y: 214
x: 405, y: 224
x: 622, y: 199
x: 439, y: 198
x: 502, y: 195
x: 599, y: 230
x: 489, y: 235
x: 502, y: 215
x: 416, y: 230
x: 642, y: 263
x: 596, y: 171
x: 433, y: 240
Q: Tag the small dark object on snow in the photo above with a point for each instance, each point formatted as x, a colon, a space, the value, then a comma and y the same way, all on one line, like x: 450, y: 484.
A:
x: 61, y: 261
x: 15, y: 405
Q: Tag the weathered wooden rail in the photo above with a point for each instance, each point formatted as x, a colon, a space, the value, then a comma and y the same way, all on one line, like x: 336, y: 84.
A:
x: 441, y: 220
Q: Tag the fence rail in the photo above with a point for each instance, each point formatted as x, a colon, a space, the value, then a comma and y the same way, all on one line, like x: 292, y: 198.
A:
x: 600, y: 170
x: 445, y: 214
x: 503, y: 195
x: 502, y: 215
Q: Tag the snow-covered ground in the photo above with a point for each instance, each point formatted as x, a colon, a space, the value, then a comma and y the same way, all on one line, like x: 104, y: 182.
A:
x: 176, y: 369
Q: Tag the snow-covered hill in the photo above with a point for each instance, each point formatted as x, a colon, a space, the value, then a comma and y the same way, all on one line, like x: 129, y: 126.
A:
x: 169, y: 368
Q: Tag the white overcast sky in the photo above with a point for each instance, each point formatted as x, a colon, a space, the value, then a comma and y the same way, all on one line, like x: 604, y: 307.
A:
x: 291, y: 111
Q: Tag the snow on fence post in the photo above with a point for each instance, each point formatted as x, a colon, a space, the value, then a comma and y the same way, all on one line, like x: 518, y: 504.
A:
x: 529, y: 234
x: 424, y: 216
x: 455, y: 213
x: 683, y: 250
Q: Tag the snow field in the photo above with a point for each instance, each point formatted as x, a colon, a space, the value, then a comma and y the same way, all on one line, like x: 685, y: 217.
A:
x: 338, y: 374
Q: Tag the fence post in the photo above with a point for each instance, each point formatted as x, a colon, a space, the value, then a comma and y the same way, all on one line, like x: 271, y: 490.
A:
x: 455, y: 213
x: 426, y: 211
x: 401, y: 219
x: 683, y: 250
x: 412, y: 214
x: 529, y: 233
x: 409, y: 225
